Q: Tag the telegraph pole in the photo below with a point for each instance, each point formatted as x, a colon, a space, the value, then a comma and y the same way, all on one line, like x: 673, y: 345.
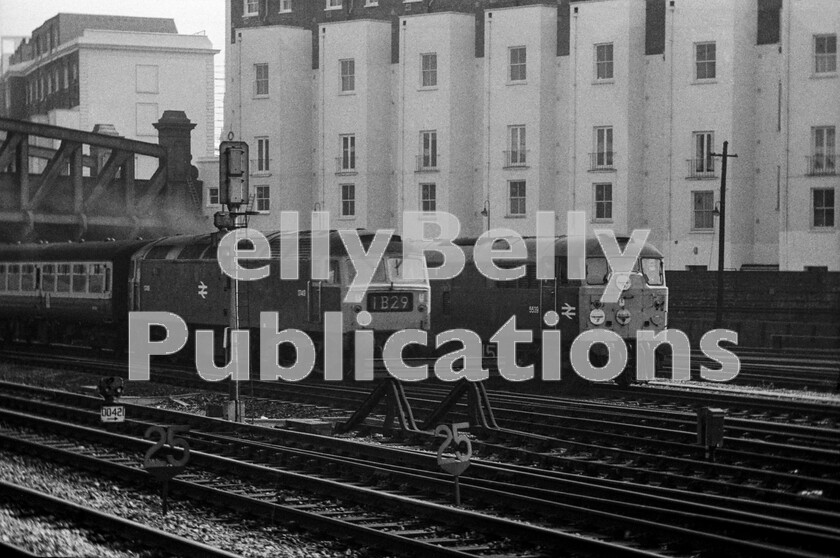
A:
x: 725, y: 156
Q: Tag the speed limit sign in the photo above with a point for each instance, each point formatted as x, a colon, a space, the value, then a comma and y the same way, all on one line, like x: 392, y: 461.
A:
x: 458, y: 464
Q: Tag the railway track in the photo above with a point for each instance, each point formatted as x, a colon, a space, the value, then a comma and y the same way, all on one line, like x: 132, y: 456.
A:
x: 268, y: 446
x: 137, y: 534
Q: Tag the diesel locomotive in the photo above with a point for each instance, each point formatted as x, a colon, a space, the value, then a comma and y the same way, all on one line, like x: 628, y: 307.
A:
x: 82, y: 293
x: 472, y: 301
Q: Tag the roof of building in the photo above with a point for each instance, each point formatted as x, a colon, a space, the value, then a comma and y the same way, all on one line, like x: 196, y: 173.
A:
x: 74, y: 25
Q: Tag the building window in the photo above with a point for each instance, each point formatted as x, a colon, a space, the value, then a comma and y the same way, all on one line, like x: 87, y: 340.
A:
x: 428, y: 149
x: 704, y: 61
x: 261, y: 79
x: 333, y: 5
x: 49, y: 85
x: 517, y: 197
x: 348, y: 200
x: 604, y: 61
x: 823, y: 204
x: 428, y: 197
x: 603, y: 156
x: 213, y: 196
x: 348, y: 75
x: 823, y: 155
x: 263, y: 199
x: 825, y: 54
x: 347, y: 161
x: 516, y: 156
x: 703, y: 163
x: 252, y: 7
x: 428, y: 64
x: 285, y: 6
x: 517, y: 64
x: 603, y: 202
x: 704, y: 207
x: 66, y: 77
x: 74, y: 69
x: 263, y: 159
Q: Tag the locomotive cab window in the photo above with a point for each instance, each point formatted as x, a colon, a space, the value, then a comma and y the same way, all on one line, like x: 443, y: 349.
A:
x: 405, y: 270
x: 652, y: 270
x: 597, y: 271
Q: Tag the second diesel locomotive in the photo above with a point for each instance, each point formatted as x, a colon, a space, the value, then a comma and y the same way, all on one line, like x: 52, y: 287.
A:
x: 472, y: 301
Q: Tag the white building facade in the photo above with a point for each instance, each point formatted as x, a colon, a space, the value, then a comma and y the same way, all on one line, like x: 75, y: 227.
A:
x: 493, y: 111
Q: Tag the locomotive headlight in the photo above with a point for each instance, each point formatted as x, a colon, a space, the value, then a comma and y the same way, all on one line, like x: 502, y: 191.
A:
x: 597, y: 316
x: 422, y: 307
x: 357, y: 309
x: 622, y: 280
x: 656, y: 320
x: 622, y: 316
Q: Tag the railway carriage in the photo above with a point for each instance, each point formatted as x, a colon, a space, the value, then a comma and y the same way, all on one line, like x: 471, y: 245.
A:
x: 66, y: 293
x: 475, y: 302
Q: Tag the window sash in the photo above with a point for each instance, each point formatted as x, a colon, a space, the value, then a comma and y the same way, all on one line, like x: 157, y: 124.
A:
x: 251, y: 7
x: 348, y: 75
x: 704, y: 210
x: 261, y: 81
x: 263, y: 160
x: 604, y: 61
x: 429, y: 70
x: 703, y: 148
x: 263, y: 198
x: 348, y: 200
x: 603, y: 201
x: 285, y: 5
x: 428, y: 144
x: 705, y: 57
x: 517, y: 197
x: 518, y: 61
x: 823, y: 204
x: 428, y: 198
x: 348, y: 152
x: 604, y: 146
x: 825, y: 54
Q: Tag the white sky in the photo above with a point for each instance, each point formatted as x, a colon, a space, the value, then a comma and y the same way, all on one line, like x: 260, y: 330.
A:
x: 21, y: 17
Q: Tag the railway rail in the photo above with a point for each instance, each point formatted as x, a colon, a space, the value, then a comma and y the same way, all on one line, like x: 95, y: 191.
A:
x: 270, y: 446
x: 116, y: 527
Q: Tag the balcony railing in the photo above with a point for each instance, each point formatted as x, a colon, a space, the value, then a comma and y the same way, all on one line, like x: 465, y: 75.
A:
x: 346, y: 165
x: 602, y: 161
x: 516, y: 158
x: 822, y: 165
x: 426, y: 163
x: 701, y: 168
x: 256, y: 166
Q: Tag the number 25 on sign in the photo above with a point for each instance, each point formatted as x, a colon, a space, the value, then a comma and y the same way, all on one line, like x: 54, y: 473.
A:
x: 458, y: 464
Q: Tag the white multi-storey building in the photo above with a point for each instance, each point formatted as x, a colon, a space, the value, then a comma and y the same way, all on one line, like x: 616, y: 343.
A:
x: 497, y: 109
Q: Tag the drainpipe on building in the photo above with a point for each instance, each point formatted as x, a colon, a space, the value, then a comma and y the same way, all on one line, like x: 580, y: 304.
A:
x: 488, y: 86
x: 669, y: 244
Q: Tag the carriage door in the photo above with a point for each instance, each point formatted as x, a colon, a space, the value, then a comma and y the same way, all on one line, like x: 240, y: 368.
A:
x: 313, y: 296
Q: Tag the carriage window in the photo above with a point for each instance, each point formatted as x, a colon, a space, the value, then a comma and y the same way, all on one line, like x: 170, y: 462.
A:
x: 48, y: 278
x: 96, y: 281
x: 27, y: 278
x: 2, y: 277
x: 652, y: 268
x: 107, y: 279
x: 79, y: 278
x: 597, y: 271
x: 14, y: 277
x: 62, y: 278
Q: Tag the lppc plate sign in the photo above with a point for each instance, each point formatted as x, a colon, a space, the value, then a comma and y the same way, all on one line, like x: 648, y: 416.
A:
x: 112, y: 413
